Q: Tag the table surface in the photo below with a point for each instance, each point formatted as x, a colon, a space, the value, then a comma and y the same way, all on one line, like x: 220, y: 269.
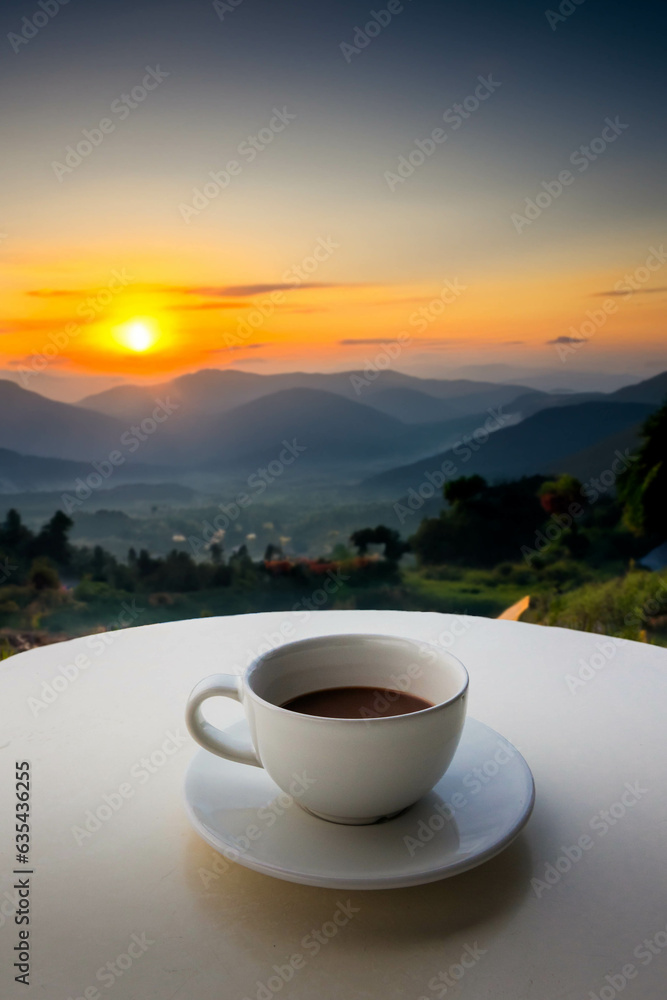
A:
x: 140, y: 907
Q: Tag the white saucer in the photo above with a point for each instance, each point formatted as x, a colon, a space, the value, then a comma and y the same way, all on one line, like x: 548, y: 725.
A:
x: 240, y: 812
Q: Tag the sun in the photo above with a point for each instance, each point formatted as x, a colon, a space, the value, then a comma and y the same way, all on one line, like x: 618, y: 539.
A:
x: 138, y: 335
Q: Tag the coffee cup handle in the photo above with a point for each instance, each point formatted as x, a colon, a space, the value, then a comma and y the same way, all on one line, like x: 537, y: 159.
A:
x: 208, y: 735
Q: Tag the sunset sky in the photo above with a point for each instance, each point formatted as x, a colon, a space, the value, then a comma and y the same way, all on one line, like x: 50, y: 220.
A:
x: 317, y: 251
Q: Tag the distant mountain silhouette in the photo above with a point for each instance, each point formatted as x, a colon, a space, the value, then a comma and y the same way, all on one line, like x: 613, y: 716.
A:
x: 214, y: 391
x: 396, y: 419
x: 335, y: 432
x: 533, y: 402
x: 32, y: 472
x: 536, y: 445
x: 28, y: 472
x: 411, y: 406
x: 592, y: 461
x: 209, y: 391
x: 561, y: 379
x: 196, y: 435
x: 653, y: 390
x: 211, y: 429
x: 34, y: 425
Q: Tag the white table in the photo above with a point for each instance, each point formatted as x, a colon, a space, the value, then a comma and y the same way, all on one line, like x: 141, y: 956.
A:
x: 146, y: 902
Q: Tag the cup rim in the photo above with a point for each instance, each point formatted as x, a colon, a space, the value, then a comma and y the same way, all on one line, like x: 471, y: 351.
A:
x: 247, y: 689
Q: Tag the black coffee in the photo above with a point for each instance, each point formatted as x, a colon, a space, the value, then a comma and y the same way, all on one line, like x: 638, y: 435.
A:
x: 356, y: 703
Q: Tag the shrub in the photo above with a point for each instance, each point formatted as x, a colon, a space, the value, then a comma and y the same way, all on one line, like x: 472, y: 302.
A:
x: 43, y: 576
x: 623, y: 606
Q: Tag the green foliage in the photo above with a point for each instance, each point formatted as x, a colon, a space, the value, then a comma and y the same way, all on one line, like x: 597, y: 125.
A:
x: 642, y: 488
x: 469, y: 559
x: 623, y: 606
x: 43, y: 576
x: 52, y: 541
x: 89, y: 591
x: 558, y: 495
x: 341, y: 552
x: 6, y: 649
x: 394, y: 546
x: 484, y: 526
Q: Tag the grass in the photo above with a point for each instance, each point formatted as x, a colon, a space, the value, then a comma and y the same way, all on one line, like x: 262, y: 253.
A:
x: 6, y: 650
x: 633, y: 606
x: 475, y: 593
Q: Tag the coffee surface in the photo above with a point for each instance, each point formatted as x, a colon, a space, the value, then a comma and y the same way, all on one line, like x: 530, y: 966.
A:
x: 356, y: 703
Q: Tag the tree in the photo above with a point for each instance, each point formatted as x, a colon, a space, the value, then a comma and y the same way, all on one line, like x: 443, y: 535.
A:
x: 43, y: 576
x: 98, y: 564
x: 483, y: 525
x: 178, y: 572
x: 560, y: 498
x: 52, y: 541
x: 558, y: 495
x: 642, y: 488
x: 15, y: 538
x: 394, y: 546
x: 463, y: 489
x: 145, y: 565
x: 362, y: 538
x: 242, y: 568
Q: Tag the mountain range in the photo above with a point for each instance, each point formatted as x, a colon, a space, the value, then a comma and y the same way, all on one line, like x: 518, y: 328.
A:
x: 383, y: 428
x: 226, y: 420
x: 212, y: 391
x: 540, y: 444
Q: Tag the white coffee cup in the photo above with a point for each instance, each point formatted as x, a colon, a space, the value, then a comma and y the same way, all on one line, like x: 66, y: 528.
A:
x: 357, y: 770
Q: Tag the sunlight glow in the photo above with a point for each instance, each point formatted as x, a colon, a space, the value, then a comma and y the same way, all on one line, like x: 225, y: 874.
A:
x: 138, y: 335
